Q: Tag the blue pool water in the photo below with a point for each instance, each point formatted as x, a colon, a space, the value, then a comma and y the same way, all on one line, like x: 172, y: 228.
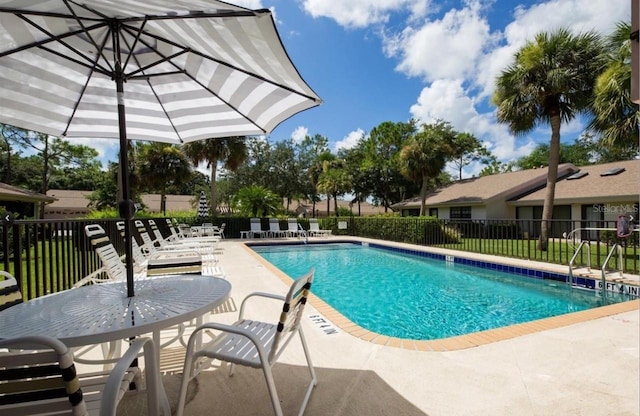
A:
x: 407, y: 296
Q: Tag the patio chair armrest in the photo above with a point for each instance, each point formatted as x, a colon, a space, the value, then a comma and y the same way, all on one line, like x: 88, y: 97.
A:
x: 258, y: 294
x: 156, y: 396
x: 92, y: 278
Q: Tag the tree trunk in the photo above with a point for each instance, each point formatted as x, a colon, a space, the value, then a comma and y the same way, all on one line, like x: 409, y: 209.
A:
x: 214, y: 189
x: 552, y: 177
x: 329, y: 205
x: 335, y: 204
x: 423, y: 195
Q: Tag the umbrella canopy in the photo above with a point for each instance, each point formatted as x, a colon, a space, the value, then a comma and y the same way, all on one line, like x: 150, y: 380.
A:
x: 172, y: 71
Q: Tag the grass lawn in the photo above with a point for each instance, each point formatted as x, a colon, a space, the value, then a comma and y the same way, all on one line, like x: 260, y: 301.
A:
x: 558, y: 251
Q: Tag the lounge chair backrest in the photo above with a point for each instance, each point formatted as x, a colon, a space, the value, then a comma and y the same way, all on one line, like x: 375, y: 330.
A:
x: 9, y: 291
x: 292, y: 309
x: 147, y: 241
x: 156, y: 231
x: 174, y: 231
x: 274, y: 225
x: 139, y: 257
x: 313, y: 225
x: 293, y: 225
x: 110, y: 258
x: 41, y: 381
x: 256, y: 225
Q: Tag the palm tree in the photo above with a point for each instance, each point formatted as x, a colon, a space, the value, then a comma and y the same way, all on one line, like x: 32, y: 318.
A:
x: 161, y: 166
x: 232, y: 151
x: 256, y: 200
x: 334, y: 181
x: 425, y: 155
x: 550, y: 81
x: 615, y: 117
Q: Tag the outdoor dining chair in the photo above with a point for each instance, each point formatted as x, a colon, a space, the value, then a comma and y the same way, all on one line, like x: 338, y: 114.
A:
x: 38, y: 376
x: 255, y: 344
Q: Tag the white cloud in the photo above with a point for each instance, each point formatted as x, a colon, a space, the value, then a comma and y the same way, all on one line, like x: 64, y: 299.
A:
x: 362, y: 13
x: 578, y: 15
x: 447, y: 100
x: 446, y: 48
x: 299, y: 134
x: 108, y: 149
x: 350, y: 140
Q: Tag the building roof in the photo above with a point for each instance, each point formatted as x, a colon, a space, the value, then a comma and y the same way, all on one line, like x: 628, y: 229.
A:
x: 484, y: 189
x: 13, y: 193
x: 590, y: 186
x: 77, y: 202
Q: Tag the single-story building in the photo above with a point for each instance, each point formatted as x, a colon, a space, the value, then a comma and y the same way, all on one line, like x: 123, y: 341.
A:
x: 22, y: 202
x: 74, y: 204
x: 587, y: 193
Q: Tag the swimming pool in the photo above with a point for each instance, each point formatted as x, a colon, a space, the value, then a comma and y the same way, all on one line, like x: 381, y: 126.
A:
x: 402, y: 295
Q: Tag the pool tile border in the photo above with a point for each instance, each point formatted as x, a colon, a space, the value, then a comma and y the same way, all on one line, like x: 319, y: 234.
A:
x: 459, y: 342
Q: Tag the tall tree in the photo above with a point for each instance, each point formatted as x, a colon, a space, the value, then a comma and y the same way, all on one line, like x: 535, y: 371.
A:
x: 615, y: 117
x: 162, y: 166
x: 425, y: 155
x: 230, y: 151
x: 381, y: 161
x: 334, y: 181
x: 550, y: 81
x: 55, y: 153
x: 466, y: 148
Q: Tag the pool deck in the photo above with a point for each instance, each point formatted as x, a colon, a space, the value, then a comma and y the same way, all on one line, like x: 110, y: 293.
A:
x: 585, y: 363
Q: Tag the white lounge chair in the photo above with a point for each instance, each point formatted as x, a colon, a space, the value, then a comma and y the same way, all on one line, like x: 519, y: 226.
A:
x: 314, y: 229
x: 274, y: 228
x: 256, y: 228
x: 254, y: 344
x: 160, y: 245
x: 293, y: 229
x: 45, y: 381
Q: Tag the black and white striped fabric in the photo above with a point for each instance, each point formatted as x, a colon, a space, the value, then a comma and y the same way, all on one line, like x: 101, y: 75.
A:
x: 9, y: 291
x: 39, y: 382
x: 193, y: 69
x: 203, y: 207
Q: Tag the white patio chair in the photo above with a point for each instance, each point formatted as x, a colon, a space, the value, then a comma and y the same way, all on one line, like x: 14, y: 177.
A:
x: 314, y: 229
x: 254, y: 344
x: 43, y: 380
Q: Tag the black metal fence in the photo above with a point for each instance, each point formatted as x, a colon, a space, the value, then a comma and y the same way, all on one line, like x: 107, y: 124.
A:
x: 47, y: 256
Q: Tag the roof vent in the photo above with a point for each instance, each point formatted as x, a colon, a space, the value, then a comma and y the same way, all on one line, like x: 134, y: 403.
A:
x: 577, y: 175
x: 612, y: 171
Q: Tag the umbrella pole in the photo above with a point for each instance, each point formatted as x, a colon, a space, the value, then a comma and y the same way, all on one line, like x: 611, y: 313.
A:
x: 126, y: 205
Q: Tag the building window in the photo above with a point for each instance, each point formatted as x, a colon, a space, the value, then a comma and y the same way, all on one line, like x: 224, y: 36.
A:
x: 433, y: 212
x: 460, y: 213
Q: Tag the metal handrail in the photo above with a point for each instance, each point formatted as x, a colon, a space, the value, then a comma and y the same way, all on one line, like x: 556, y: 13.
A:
x: 584, y: 243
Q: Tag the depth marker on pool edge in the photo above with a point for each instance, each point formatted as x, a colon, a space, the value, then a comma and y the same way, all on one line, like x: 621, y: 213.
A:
x: 323, y: 324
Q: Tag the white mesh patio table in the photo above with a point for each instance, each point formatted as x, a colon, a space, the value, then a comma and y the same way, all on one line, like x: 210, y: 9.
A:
x: 100, y: 313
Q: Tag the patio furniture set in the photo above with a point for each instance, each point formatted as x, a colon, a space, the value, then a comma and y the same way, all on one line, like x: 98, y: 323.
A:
x: 55, y: 330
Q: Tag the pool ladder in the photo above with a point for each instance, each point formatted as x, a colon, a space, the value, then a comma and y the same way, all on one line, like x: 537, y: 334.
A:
x: 603, y: 273
x: 303, y: 232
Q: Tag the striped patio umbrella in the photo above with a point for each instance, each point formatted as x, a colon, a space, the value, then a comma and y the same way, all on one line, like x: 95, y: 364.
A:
x: 203, y: 207
x: 163, y: 70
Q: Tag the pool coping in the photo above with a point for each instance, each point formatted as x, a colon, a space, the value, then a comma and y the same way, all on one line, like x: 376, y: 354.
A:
x: 458, y: 342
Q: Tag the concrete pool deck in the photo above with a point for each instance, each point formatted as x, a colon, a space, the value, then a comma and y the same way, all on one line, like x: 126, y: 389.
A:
x: 587, y: 365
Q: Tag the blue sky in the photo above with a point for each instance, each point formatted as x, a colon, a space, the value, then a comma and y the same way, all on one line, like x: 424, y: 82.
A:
x: 391, y: 60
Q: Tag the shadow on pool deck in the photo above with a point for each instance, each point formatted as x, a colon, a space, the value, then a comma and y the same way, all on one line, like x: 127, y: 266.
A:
x: 339, y: 392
